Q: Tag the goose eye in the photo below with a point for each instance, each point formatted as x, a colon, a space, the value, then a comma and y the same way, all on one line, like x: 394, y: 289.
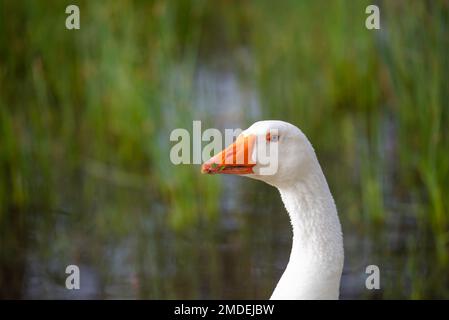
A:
x: 272, y: 137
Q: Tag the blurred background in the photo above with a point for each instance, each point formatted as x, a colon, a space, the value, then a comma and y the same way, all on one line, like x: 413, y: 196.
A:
x: 85, y: 117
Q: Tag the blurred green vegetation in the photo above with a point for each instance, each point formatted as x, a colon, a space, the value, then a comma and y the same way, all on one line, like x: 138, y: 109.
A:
x: 85, y: 118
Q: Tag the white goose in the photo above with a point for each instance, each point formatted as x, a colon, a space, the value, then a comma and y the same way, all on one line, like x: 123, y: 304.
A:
x: 316, y: 259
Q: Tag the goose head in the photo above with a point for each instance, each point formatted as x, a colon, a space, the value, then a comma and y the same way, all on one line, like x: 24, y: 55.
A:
x: 272, y: 151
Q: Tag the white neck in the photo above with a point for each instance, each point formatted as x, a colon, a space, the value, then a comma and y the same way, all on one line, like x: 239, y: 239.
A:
x: 316, y: 259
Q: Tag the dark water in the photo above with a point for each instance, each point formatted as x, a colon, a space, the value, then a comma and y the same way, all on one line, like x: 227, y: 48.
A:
x: 240, y: 257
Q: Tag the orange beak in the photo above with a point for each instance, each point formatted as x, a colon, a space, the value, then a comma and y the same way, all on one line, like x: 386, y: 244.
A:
x: 235, y: 159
